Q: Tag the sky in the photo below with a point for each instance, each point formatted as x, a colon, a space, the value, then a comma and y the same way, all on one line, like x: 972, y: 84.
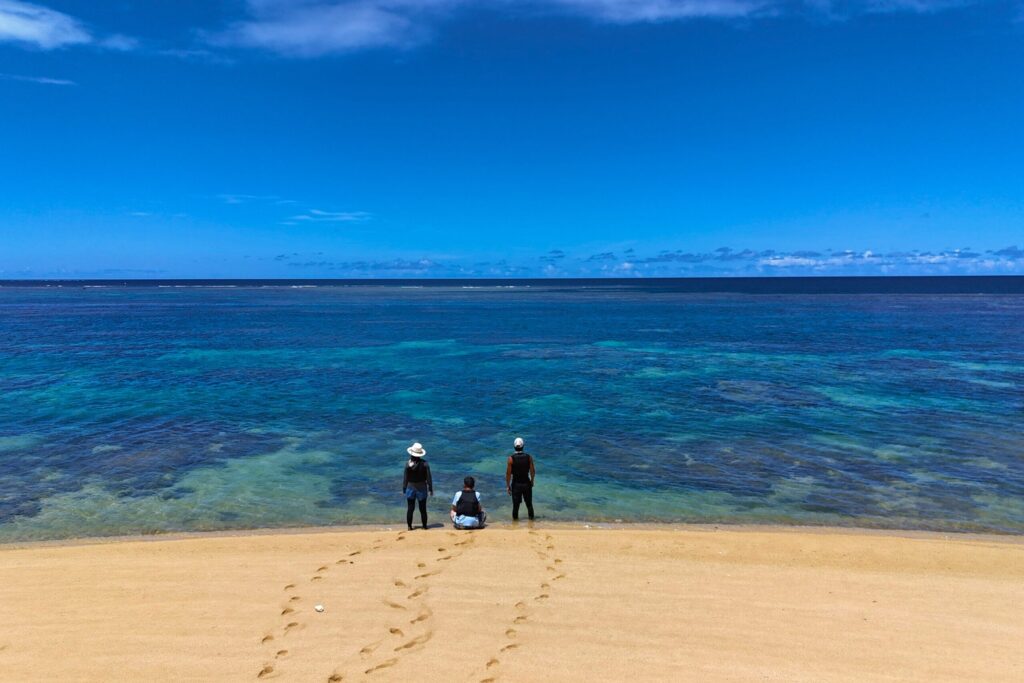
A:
x: 510, y: 138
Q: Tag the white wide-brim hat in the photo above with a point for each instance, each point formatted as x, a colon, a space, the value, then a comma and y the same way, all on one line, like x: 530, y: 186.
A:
x: 416, y: 450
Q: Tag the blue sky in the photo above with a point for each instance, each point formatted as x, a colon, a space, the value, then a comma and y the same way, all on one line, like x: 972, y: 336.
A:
x: 433, y: 138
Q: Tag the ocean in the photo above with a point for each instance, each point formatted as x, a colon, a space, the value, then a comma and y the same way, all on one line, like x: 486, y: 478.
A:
x: 148, y: 407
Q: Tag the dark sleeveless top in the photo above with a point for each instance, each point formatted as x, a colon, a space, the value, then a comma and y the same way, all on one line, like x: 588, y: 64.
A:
x: 521, y: 468
x: 468, y: 505
x: 418, y: 476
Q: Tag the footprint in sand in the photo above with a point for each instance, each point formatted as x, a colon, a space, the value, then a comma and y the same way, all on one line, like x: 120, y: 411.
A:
x: 511, y: 632
x: 265, y: 671
x: 396, y: 632
x: 428, y: 574
x: 416, y: 593
x: 317, y: 578
x: 418, y: 640
x: 492, y: 662
x: 334, y: 678
x: 294, y: 598
x: 353, y: 554
x: 520, y: 620
x: 422, y: 616
x: 520, y: 605
x: 369, y: 649
x: 441, y: 550
x: 291, y: 626
x: 510, y: 646
x: 266, y: 639
x: 393, y: 605
x: 421, y: 565
x: 556, y: 578
x: 383, y: 665
x: 281, y: 653
x: 289, y: 586
x: 286, y: 610
x: 322, y: 569
x: 446, y: 557
x: 400, y: 583
x: 542, y: 596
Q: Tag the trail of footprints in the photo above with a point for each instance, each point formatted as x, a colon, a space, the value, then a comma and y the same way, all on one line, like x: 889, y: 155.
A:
x: 290, y: 622
x: 412, y: 628
x: 409, y: 602
x: 543, y: 547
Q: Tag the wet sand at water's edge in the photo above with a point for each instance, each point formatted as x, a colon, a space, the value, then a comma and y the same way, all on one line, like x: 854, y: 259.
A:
x: 526, y: 604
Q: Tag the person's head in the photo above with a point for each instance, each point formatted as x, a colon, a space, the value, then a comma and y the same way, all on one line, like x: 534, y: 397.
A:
x: 518, y: 444
x: 416, y: 451
x: 468, y: 483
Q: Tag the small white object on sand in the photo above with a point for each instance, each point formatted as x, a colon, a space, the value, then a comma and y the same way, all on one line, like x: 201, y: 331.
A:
x: 319, y: 608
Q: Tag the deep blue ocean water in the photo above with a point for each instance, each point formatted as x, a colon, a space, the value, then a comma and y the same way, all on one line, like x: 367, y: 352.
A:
x: 147, y: 409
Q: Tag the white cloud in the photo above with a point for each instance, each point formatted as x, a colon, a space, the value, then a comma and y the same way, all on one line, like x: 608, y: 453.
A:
x: 37, y: 26
x: 306, y: 29
x: 119, y: 42
x: 318, y: 216
x: 309, y: 28
x: 37, y: 79
x: 633, y: 11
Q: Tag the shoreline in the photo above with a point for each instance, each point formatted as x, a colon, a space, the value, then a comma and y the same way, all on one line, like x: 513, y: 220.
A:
x: 558, y: 525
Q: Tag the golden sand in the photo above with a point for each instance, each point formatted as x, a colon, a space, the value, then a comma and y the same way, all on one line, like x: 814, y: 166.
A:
x: 541, y: 604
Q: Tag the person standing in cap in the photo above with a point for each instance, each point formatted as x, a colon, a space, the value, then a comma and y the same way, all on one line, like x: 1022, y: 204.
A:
x: 417, y: 483
x: 520, y: 474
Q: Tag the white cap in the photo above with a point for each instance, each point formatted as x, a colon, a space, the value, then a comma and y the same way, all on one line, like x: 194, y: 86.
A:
x: 518, y: 443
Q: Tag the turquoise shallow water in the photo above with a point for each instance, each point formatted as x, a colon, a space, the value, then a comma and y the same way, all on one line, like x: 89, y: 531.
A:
x: 156, y: 409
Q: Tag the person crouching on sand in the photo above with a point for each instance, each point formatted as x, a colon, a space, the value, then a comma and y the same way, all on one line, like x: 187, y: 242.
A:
x: 417, y: 483
x: 467, y: 512
x: 520, y: 474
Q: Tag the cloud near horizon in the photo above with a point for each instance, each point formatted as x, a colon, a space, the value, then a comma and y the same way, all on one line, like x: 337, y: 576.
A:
x: 312, y: 28
x: 721, y: 262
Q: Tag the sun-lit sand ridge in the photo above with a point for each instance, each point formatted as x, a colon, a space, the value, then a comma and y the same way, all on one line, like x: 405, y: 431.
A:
x: 670, y: 603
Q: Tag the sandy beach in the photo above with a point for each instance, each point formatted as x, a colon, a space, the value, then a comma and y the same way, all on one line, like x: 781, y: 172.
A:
x: 547, y: 603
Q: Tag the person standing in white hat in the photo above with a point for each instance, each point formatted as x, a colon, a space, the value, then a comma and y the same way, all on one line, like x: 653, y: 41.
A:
x: 417, y: 483
x: 520, y: 473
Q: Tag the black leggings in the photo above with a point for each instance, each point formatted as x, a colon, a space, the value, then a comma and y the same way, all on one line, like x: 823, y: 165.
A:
x: 423, y: 512
x: 519, y: 496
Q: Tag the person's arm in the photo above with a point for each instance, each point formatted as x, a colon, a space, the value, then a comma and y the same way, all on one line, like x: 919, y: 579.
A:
x: 430, y: 480
x: 480, y: 503
x: 508, y: 476
x: 533, y: 472
x: 405, y: 479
